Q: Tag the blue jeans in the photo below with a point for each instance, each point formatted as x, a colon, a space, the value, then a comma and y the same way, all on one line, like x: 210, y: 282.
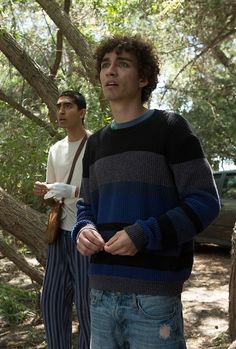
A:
x: 129, y: 321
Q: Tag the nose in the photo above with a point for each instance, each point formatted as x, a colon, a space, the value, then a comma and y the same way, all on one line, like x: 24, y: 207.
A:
x: 111, y: 70
x: 60, y: 109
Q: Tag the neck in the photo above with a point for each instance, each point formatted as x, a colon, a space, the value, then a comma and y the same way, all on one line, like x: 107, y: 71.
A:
x: 75, y: 134
x: 124, y: 113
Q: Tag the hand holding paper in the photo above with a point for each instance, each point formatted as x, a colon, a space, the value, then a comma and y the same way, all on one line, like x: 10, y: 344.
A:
x: 60, y: 190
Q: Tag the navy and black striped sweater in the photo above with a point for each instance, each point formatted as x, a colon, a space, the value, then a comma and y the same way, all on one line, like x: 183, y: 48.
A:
x: 151, y: 180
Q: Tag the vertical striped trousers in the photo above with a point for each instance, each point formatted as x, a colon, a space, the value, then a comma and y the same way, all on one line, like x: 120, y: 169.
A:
x: 65, y: 281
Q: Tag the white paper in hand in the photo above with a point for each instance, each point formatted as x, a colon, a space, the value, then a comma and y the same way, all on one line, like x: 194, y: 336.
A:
x: 50, y: 194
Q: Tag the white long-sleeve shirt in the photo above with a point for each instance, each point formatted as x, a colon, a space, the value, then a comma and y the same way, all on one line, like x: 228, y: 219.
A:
x: 60, y: 158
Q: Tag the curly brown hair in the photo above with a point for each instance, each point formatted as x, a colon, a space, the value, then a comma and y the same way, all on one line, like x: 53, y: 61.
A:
x: 148, y: 61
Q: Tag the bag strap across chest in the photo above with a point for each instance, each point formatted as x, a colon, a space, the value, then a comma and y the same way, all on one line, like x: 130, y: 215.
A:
x: 77, y: 154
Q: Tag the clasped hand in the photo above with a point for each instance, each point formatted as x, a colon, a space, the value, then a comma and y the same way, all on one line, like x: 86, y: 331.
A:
x: 89, y: 242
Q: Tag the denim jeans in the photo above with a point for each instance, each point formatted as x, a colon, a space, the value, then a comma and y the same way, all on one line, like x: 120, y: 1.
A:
x: 130, y: 321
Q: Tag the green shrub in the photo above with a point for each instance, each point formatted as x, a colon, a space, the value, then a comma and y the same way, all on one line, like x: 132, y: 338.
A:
x: 16, y: 303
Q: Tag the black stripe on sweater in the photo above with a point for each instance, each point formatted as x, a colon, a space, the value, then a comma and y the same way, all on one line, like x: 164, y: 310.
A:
x: 147, y: 260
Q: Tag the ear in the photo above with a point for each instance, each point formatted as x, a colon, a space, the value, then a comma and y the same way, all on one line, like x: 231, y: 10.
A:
x: 82, y: 113
x: 143, y: 82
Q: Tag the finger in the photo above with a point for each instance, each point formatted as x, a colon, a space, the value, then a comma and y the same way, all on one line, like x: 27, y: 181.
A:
x: 91, y: 240
x: 113, y: 247
x: 84, y: 251
x: 97, y: 239
x: 112, y: 241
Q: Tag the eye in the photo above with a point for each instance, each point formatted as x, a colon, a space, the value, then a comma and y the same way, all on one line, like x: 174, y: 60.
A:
x: 123, y: 64
x: 67, y: 105
x: 104, y: 65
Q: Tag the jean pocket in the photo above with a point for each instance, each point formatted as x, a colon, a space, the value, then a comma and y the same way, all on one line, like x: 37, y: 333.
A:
x: 95, y: 297
x: 157, y: 308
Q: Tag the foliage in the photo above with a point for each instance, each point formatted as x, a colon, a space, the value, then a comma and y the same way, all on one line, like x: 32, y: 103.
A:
x: 23, y: 153
x: 196, y: 45
x: 16, y: 303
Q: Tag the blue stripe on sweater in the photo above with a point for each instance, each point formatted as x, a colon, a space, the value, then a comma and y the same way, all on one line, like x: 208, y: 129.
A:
x: 132, y: 200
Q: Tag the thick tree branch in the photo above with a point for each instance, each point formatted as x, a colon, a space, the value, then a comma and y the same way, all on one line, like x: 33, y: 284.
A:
x: 19, y: 260
x: 24, y: 223
x: 73, y: 35
x: 44, y: 86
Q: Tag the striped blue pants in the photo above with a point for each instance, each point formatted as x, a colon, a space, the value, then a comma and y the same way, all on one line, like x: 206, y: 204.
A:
x: 65, y: 281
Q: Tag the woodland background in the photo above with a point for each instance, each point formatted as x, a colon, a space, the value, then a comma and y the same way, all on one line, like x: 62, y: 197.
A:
x: 47, y: 46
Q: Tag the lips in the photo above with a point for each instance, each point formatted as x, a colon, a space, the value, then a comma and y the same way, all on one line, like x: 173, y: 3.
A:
x: 111, y: 83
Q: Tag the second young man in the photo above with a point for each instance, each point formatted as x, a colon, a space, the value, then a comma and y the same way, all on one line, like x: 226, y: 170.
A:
x: 66, y: 278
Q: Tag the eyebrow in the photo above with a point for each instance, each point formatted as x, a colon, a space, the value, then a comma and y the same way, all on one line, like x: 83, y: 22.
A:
x: 119, y: 58
x: 61, y: 103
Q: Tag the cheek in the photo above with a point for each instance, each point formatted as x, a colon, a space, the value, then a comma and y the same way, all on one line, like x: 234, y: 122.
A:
x: 101, y: 76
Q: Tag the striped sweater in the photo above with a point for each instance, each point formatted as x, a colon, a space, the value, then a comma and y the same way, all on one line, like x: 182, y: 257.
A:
x: 152, y: 180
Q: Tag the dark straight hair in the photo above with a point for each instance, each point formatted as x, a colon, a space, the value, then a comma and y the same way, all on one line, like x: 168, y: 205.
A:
x: 76, y: 96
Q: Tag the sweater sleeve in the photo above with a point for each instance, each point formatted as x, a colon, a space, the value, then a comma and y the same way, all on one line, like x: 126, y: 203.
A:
x: 198, y: 201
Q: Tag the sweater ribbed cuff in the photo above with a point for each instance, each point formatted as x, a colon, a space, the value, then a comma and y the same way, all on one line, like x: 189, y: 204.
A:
x: 137, y: 235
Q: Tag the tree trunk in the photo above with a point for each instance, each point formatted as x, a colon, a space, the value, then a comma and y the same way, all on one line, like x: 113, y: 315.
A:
x: 19, y: 260
x: 24, y: 223
x: 73, y: 35
x: 232, y: 290
x: 44, y: 86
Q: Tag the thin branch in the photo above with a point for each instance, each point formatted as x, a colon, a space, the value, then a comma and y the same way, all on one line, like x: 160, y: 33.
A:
x: 218, y: 39
x: 56, y: 64
x: 59, y: 45
x: 47, y: 126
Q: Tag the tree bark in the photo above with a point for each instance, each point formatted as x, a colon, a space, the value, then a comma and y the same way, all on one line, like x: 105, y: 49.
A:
x: 24, y: 223
x: 44, y: 86
x: 73, y: 35
x: 19, y: 260
x: 232, y: 290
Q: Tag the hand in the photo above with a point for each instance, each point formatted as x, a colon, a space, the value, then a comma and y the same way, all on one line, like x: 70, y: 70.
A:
x: 40, y: 188
x: 89, y: 242
x: 60, y: 190
x: 121, y: 244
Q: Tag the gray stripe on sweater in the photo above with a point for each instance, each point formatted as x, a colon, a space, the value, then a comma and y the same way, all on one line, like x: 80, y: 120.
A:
x: 154, y: 170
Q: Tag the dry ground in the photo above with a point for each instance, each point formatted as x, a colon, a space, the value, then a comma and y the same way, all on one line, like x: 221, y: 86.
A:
x: 205, y: 300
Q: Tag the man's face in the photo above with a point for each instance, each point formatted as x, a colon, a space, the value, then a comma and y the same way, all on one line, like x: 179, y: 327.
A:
x: 119, y: 77
x: 68, y: 113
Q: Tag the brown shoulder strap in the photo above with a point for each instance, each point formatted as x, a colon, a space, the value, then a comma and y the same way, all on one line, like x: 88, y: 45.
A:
x: 76, y: 158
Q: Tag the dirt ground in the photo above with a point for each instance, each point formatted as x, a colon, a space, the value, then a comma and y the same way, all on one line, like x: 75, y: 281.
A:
x: 205, y: 302
x: 205, y: 299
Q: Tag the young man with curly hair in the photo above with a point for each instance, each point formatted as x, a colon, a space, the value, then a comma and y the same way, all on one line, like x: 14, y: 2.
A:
x: 147, y: 190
